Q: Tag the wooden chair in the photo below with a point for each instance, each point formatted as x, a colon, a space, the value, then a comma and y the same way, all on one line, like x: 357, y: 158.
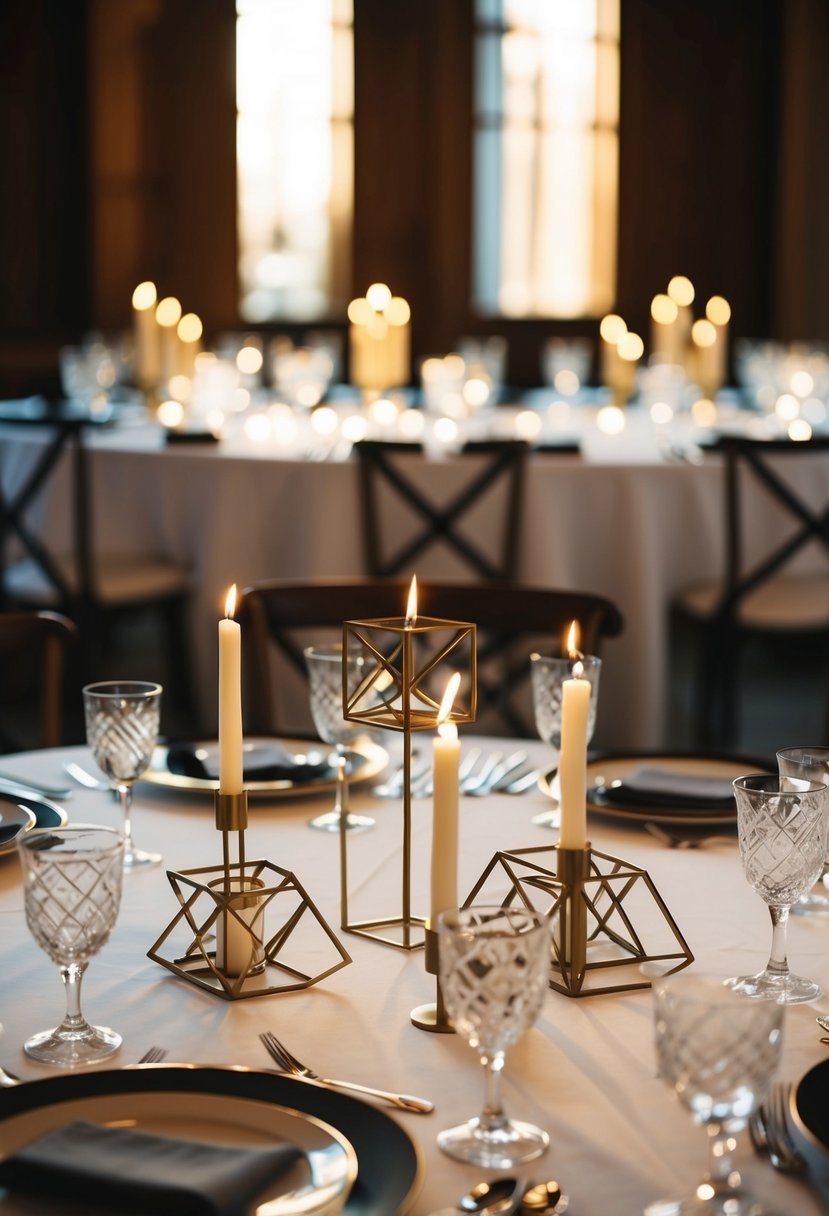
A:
x: 389, y: 482
x: 278, y: 618
x: 92, y: 588
x: 34, y: 651
x: 761, y: 592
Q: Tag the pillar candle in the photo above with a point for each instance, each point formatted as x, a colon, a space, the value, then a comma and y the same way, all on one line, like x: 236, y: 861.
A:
x: 575, y: 702
x: 146, y: 337
x: 446, y: 750
x: 230, y: 700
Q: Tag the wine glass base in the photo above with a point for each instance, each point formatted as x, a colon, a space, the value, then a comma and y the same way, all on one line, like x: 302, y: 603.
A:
x: 73, y: 1050
x: 788, y: 989
x: 137, y: 859
x: 510, y: 1145
x: 731, y: 1203
x: 330, y: 822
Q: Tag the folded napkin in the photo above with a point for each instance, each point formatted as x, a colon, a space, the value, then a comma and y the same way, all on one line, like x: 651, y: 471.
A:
x: 266, y: 763
x: 116, y: 1170
x: 654, y: 786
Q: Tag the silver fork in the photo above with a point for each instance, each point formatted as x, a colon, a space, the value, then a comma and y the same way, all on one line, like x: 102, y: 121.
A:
x: 769, y: 1131
x: 288, y: 1063
x: 153, y: 1055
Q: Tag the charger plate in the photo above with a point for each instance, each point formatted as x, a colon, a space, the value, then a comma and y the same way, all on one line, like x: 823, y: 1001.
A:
x: 242, y: 1105
x: 810, y: 1123
x: 19, y: 813
x: 367, y: 760
x: 604, y: 770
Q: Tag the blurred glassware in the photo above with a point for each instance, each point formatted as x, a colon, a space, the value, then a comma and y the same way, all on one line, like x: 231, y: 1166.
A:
x: 566, y: 364
x: 92, y: 372
x: 325, y: 679
x: 811, y: 764
x: 548, y: 673
x: 486, y: 358
x: 301, y: 375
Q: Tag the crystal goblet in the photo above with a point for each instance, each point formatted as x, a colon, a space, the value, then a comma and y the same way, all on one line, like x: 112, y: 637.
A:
x: 325, y: 675
x: 548, y: 673
x: 811, y: 763
x: 72, y: 878
x: 718, y: 1050
x: 782, y: 826
x: 494, y: 971
x: 122, y: 721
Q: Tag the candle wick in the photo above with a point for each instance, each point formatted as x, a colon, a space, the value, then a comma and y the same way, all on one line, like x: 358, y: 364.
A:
x: 578, y: 669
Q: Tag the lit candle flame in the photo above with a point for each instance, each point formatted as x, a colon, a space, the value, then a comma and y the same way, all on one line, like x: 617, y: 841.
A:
x: 446, y: 729
x: 411, y: 604
x: 230, y: 602
x: 573, y: 651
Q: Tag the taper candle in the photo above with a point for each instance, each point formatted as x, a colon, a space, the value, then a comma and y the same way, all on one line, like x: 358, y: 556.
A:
x: 230, y: 699
x: 446, y: 750
x: 575, y: 704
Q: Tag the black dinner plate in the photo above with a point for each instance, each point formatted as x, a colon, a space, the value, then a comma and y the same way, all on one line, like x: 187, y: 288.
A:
x: 810, y: 1121
x: 389, y: 1167
x: 20, y: 812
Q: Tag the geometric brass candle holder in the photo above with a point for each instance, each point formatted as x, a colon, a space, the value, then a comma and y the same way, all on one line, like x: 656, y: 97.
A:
x: 605, y: 937
x: 398, y: 685
x: 433, y: 1016
x: 243, y: 927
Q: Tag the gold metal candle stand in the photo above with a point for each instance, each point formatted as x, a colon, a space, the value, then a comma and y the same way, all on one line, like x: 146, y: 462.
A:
x: 221, y: 919
x: 397, y: 685
x: 597, y: 905
x: 433, y: 1016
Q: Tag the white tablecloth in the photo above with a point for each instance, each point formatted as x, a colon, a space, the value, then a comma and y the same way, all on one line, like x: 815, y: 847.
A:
x: 586, y: 1072
x: 618, y: 520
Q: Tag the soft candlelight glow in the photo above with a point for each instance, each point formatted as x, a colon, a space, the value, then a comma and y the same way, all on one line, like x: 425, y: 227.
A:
x: 663, y: 310
x: 230, y: 700
x: 146, y: 356
x: 445, y: 761
x: 703, y: 333
x: 612, y: 328
x: 575, y: 704
x: 630, y: 347
x: 170, y: 414
x: 379, y: 339
x: 379, y: 296
x: 681, y: 290
x: 144, y: 296
x: 411, y: 603
x: 190, y: 327
x: 168, y: 312
x: 718, y: 310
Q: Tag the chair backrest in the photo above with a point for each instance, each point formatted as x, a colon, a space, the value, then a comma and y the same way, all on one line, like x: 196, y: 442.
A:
x: 393, y: 491
x: 34, y: 652
x: 756, y: 550
x: 279, y: 617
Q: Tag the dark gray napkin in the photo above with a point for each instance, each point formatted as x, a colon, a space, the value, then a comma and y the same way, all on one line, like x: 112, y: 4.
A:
x: 116, y: 1170
x: 263, y: 764
x: 662, y: 787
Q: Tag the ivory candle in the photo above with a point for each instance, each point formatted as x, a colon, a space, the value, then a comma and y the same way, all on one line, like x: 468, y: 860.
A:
x: 146, y: 338
x: 446, y: 750
x: 230, y: 699
x: 575, y: 704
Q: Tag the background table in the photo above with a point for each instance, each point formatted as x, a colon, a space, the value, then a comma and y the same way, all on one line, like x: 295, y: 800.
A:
x: 586, y: 1072
x: 619, y: 520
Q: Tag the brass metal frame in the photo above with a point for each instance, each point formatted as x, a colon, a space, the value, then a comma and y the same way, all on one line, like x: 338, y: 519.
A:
x: 433, y: 1016
x: 209, y: 893
x: 394, y: 696
x: 585, y: 894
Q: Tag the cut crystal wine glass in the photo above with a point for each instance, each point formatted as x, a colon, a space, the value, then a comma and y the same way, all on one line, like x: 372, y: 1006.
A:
x: 325, y: 676
x: 548, y: 673
x: 494, y: 972
x: 72, y: 878
x: 718, y: 1050
x: 122, y: 721
x: 811, y: 763
x: 782, y: 828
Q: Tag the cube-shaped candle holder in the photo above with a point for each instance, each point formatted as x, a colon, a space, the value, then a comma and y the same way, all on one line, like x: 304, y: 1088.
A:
x: 244, y: 928
x: 605, y: 935
x: 395, y: 673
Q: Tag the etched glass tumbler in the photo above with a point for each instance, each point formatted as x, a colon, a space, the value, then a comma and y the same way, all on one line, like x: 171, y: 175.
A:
x: 548, y: 673
x: 325, y: 675
x: 812, y: 764
x: 72, y: 879
x: 782, y: 827
x: 122, y: 721
x: 494, y: 972
x: 718, y: 1050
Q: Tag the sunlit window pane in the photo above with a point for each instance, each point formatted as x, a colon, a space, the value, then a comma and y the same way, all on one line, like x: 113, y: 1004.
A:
x: 546, y: 157
x: 295, y: 100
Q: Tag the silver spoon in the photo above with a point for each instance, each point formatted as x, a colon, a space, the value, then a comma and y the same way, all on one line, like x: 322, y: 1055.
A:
x: 8, y: 1079
x: 544, y: 1199
x: 822, y: 1021
x: 500, y: 1197
x: 84, y: 778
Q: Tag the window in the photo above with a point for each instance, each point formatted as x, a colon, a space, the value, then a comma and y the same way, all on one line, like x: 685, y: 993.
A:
x: 545, y: 157
x: 295, y: 100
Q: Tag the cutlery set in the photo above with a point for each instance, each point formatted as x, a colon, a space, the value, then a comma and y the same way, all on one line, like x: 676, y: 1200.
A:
x: 478, y: 775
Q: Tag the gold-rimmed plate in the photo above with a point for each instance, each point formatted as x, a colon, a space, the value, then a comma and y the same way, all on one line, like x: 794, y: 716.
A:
x: 247, y: 1103
x: 275, y: 766
x: 610, y: 792
x: 20, y: 813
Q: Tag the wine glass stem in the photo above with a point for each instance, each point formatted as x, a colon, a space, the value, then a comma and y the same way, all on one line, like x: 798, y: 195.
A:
x: 125, y: 792
x: 721, y: 1175
x: 492, y: 1118
x: 778, y: 963
x: 72, y: 974
x: 341, y: 795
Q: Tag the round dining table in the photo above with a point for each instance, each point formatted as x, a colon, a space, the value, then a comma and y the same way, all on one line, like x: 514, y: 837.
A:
x: 586, y: 1071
